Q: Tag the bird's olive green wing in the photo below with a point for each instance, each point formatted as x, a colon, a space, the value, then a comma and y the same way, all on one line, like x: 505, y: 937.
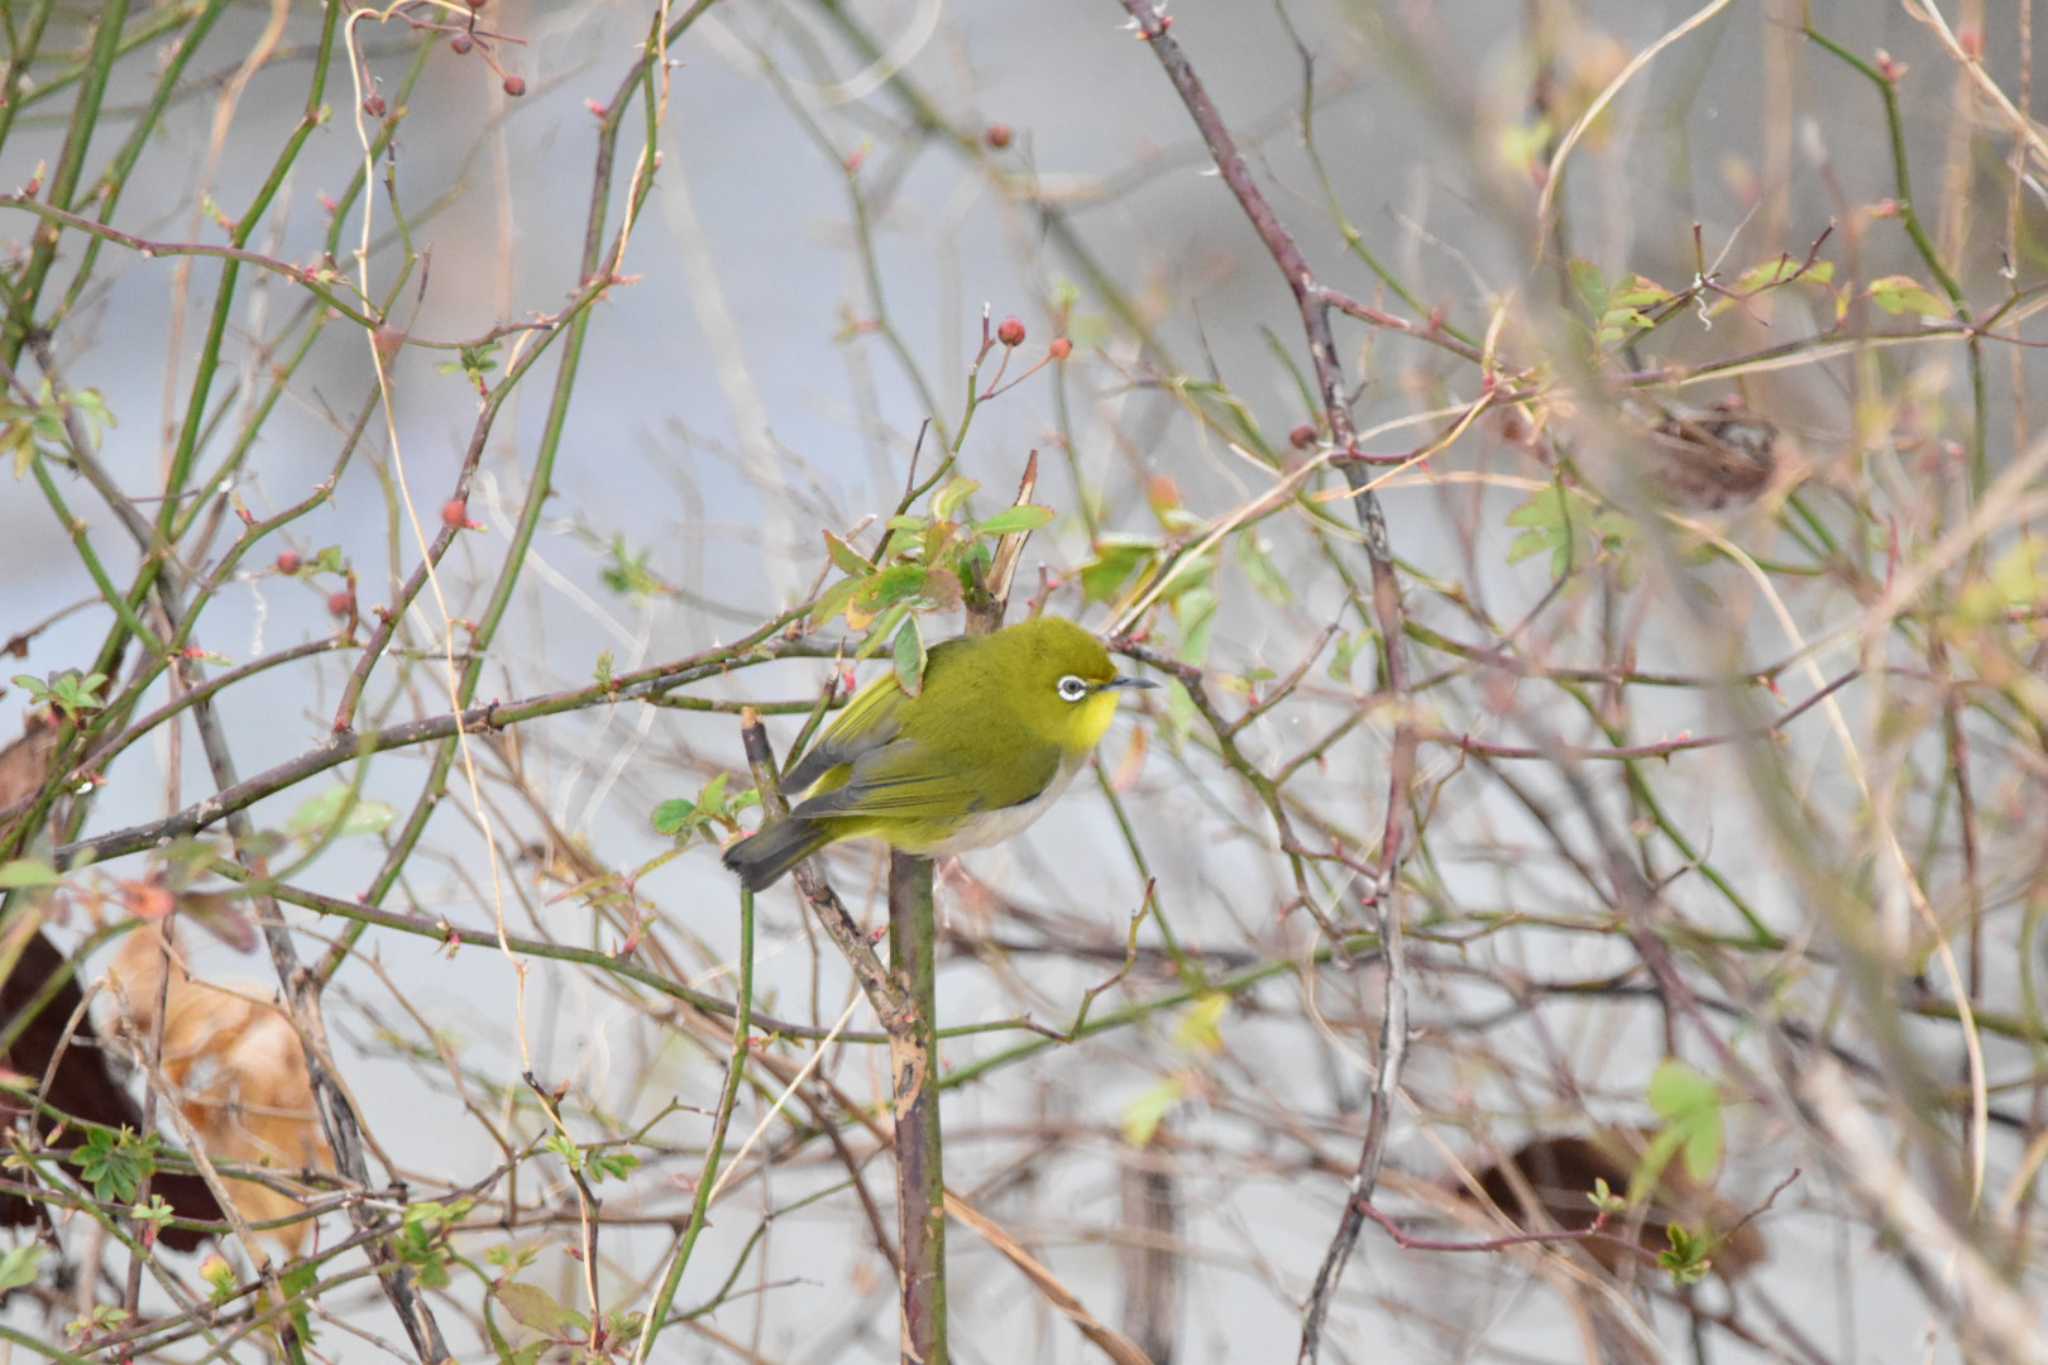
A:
x: 903, y: 781
x: 872, y: 719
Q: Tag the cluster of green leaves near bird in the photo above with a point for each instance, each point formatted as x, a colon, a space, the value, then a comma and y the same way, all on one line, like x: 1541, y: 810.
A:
x: 960, y: 745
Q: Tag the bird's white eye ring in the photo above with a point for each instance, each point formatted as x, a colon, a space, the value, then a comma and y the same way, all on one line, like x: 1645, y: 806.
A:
x: 1072, y: 688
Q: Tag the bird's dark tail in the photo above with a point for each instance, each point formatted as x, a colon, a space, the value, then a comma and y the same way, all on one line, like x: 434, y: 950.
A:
x: 760, y: 859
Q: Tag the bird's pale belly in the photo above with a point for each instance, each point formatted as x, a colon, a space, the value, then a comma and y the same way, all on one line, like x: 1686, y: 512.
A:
x: 993, y: 826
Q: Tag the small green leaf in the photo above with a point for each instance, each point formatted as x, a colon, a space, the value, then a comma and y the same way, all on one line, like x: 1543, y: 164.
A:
x: 1345, y: 657
x: 611, y: 1165
x: 297, y: 1284
x: 1116, y: 558
x: 1686, y: 1261
x: 156, y: 1212
x: 1550, y: 522
x: 835, y: 600
x: 604, y: 671
x: 514, y: 1255
x: 1201, y: 1028
x: 953, y: 496
x: 1591, y: 287
x: 532, y: 1306
x: 1640, y: 292
x: 2018, y: 578
x: 711, y: 801
x: 18, y: 1266
x: 114, y: 1164
x: 1196, y: 612
x: 422, y: 1238
x: 674, y: 816
x: 1013, y: 520
x: 628, y: 573
x: 1521, y: 145
x: 898, y: 583
x: 1265, y: 576
x: 1702, y: 1149
x: 1690, y: 1105
x: 1143, y: 1115
x: 220, y: 1279
x: 342, y: 811
x: 563, y: 1147
x: 1899, y: 294
x: 1783, y: 270
x: 1677, y: 1091
x: 1182, y: 715
x: 845, y: 558
x: 910, y: 657
x: 21, y: 873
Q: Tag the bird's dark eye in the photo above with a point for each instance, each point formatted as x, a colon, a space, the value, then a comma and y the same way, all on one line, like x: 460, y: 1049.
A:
x: 1072, y: 688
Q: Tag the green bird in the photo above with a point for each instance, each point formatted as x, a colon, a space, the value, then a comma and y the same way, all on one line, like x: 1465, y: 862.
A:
x: 1000, y: 727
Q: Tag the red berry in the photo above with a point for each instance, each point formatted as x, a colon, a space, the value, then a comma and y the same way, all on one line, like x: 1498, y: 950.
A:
x: 1061, y: 348
x: 515, y: 86
x: 374, y: 106
x: 455, y: 512
x: 1011, y: 332
x: 460, y: 44
x: 287, y: 562
x: 341, y: 603
x: 1302, y: 437
x: 999, y: 135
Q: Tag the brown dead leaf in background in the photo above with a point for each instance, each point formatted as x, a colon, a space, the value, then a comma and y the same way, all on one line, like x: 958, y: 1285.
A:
x: 147, y: 899
x: 24, y: 767
x: 239, y: 1071
x: 31, y: 976
x: 1555, y: 1174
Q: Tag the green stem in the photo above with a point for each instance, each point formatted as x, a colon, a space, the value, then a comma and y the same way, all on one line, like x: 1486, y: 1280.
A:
x: 41, y: 1348
x: 115, y: 178
x: 1187, y: 968
x: 64, y: 182
x: 81, y: 543
x: 707, y: 1180
x: 1909, y: 218
x: 11, y: 98
x: 224, y: 298
x: 1144, y: 1009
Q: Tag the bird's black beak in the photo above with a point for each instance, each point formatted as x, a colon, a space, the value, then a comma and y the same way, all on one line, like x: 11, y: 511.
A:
x: 1115, y: 684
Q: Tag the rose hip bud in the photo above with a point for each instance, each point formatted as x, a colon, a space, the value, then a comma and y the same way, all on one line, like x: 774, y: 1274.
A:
x: 460, y: 44
x: 515, y: 86
x: 341, y: 603
x: 999, y: 135
x: 287, y: 562
x: 455, y: 512
x: 374, y: 106
x: 1302, y: 437
x: 1060, y: 349
x: 1011, y: 332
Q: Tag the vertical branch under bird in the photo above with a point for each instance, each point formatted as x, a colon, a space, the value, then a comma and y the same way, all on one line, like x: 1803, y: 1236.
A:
x: 913, y: 962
